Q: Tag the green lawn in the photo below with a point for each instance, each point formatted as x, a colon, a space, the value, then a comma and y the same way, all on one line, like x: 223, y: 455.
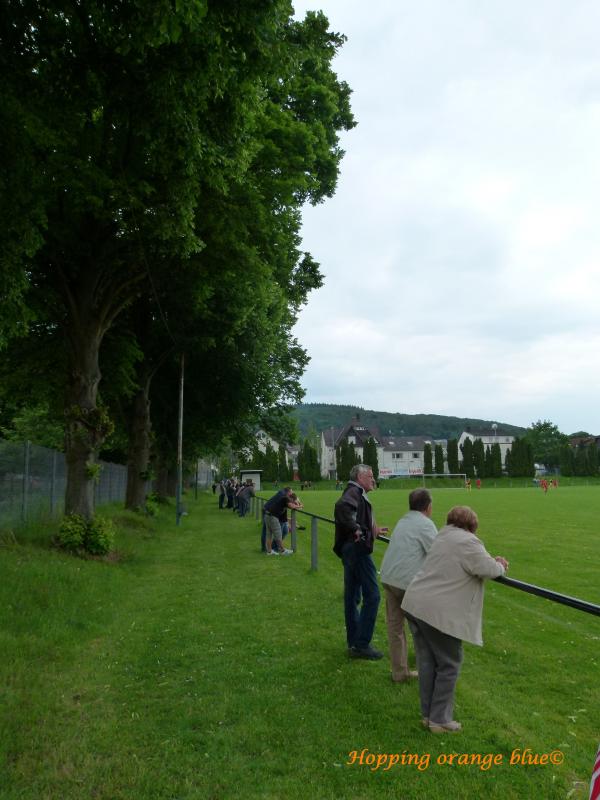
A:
x: 195, y: 667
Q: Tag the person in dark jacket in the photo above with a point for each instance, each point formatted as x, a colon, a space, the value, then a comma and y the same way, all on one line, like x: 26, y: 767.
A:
x: 355, y: 532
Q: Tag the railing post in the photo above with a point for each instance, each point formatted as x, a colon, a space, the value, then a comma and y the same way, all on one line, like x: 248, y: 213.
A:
x: 293, y: 529
x: 314, y: 542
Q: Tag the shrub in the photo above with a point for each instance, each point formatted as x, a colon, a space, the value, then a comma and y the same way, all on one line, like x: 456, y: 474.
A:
x: 151, y: 507
x: 99, y: 536
x: 71, y: 534
x: 96, y: 536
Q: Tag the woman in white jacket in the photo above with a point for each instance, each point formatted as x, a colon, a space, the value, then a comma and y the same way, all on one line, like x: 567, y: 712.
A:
x: 443, y: 605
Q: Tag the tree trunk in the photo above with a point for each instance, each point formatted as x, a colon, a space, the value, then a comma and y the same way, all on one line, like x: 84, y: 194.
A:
x: 138, y: 458
x: 86, y: 425
x: 172, y: 482
x: 161, y: 486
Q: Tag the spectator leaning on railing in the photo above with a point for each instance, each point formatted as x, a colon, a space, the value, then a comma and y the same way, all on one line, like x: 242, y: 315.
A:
x: 409, y: 544
x: 275, y: 512
x: 444, y: 605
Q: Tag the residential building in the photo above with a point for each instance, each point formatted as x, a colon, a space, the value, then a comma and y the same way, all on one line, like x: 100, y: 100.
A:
x: 405, y: 455
x: 488, y: 437
x: 354, y: 433
x: 396, y: 455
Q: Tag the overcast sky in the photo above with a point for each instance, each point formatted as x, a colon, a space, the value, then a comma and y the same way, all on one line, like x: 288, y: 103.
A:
x: 461, y: 251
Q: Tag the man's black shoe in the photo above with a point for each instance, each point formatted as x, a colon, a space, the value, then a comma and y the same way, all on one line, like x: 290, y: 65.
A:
x: 365, y: 652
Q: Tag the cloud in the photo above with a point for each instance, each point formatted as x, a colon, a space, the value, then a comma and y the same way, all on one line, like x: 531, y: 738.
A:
x: 461, y: 252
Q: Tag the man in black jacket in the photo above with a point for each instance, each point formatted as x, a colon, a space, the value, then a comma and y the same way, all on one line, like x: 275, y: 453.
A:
x: 355, y: 532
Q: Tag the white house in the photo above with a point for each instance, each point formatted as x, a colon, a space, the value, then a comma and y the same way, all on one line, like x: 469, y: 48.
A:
x: 405, y: 455
x: 396, y: 455
x: 489, y: 437
x: 263, y: 438
x: 354, y: 433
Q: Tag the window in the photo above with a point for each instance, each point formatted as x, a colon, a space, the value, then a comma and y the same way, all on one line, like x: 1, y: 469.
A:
x: 415, y: 455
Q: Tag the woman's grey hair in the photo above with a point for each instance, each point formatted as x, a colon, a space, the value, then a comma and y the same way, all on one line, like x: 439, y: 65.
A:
x: 359, y: 469
x: 463, y: 517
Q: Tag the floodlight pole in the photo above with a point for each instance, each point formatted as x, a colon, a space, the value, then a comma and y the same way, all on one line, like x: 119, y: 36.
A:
x: 179, y: 510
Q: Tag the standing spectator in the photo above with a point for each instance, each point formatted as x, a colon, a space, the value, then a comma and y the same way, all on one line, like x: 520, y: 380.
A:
x: 222, y: 493
x: 275, y: 514
x: 230, y: 489
x: 444, y: 605
x: 244, y: 495
x: 355, y: 532
x: 404, y: 557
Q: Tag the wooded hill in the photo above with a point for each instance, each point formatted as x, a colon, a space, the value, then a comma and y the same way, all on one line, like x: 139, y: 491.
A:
x: 323, y: 415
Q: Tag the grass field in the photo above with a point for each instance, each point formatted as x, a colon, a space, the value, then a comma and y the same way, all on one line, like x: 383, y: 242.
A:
x: 195, y: 667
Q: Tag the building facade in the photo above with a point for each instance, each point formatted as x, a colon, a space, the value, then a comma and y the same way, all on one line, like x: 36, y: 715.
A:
x: 489, y: 438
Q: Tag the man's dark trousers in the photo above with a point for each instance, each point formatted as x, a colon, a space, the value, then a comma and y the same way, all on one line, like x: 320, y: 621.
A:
x: 360, y: 580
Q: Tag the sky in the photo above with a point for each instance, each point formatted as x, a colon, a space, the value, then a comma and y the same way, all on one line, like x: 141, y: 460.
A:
x: 461, y: 251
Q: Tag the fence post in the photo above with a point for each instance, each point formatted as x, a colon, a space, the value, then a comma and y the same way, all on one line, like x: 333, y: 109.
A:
x: 293, y: 530
x: 314, y: 541
x: 53, y: 484
x: 25, y: 496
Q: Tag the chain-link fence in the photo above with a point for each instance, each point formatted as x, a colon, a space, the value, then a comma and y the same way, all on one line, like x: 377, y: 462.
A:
x: 33, y: 478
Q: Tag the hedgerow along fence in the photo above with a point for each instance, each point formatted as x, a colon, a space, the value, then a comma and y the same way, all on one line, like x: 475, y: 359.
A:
x: 33, y: 480
x: 530, y: 588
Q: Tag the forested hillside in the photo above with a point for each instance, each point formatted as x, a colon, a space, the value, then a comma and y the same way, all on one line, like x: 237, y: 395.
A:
x: 323, y: 415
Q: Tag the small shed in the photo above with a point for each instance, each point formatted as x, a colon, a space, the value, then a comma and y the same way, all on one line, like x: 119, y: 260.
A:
x: 254, y: 475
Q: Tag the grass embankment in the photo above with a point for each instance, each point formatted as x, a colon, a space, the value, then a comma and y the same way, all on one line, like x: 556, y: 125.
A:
x: 197, y: 668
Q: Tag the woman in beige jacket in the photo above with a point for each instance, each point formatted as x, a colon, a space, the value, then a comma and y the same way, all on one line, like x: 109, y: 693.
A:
x: 443, y: 605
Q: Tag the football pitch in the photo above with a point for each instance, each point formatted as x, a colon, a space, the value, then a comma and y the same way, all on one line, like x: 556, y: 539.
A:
x: 195, y: 667
x: 535, y: 683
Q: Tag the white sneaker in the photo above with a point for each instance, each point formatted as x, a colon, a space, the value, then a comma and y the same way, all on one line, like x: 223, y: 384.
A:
x: 287, y: 552
x: 272, y: 552
x: 445, y: 727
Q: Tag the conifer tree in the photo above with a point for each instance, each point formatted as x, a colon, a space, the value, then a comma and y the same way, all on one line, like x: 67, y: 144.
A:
x: 467, y: 458
x: 370, y: 456
x: 496, y: 461
x: 438, y: 455
x: 427, y: 459
x: 453, y: 464
x: 479, y: 458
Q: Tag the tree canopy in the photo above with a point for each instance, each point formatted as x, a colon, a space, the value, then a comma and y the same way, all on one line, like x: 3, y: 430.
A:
x: 157, y: 159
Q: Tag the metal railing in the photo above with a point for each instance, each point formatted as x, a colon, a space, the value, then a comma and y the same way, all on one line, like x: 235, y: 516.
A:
x: 33, y: 480
x: 530, y: 588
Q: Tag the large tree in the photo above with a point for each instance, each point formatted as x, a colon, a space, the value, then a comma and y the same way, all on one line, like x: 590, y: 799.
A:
x: 546, y: 441
x: 127, y: 118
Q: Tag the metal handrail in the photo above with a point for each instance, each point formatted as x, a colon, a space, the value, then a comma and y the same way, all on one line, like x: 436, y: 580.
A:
x: 548, y: 594
x: 530, y: 588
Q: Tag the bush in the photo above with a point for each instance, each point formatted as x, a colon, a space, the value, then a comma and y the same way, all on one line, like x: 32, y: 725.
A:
x: 99, y: 536
x: 71, y: 534
x: 96, y: 536
x: 151, y: 507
